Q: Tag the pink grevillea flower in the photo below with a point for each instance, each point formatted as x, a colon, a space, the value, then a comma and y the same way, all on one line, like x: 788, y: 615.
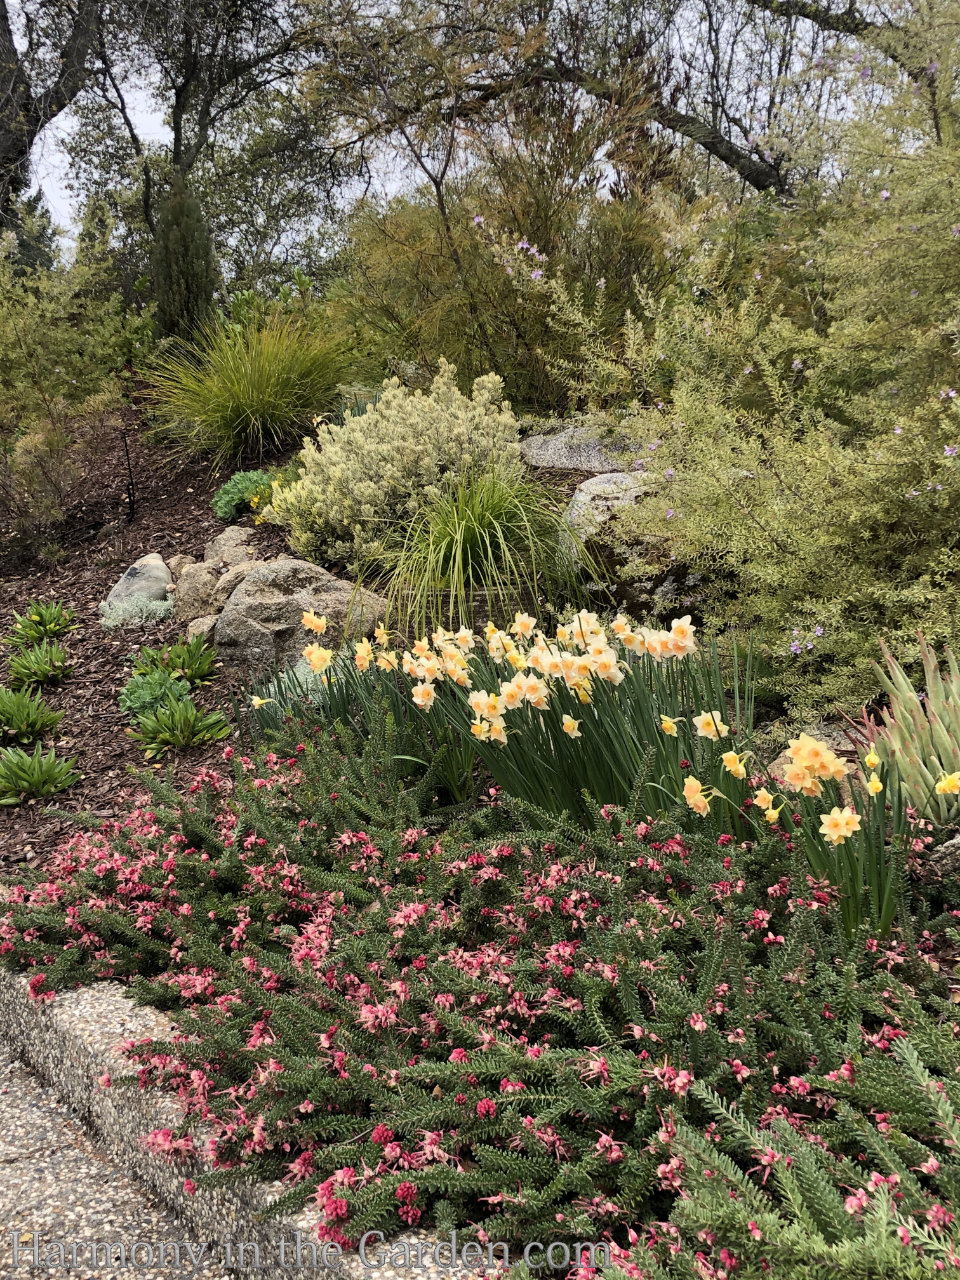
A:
x: 486, y: 1108
x: 857, y: 1202
x: 35, y: 987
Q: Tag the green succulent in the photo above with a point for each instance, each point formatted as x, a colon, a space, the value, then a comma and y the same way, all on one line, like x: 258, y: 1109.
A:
x: 40, y: 620
x: 25, y: 717
x: 25, y: 775
x: 44, y: 663
x: 177, y: 723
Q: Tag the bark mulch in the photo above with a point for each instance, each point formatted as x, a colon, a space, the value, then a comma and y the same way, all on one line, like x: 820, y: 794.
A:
x: 96, y: 545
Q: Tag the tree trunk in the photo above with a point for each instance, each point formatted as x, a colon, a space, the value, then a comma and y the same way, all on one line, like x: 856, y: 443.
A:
x: 26, y: 112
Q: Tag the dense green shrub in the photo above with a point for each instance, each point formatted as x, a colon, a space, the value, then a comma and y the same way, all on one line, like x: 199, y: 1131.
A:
x: 361, y: 477
x: 65, y: 334
x: 244, y: 491
x: 242, y: 393
x: 184, y: 270
x: 823, y: 544
x: 492, y: 540
x: 25, y: 718
x: 25, y: 775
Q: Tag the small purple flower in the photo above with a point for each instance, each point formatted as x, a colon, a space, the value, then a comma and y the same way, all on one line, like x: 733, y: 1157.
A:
x: 670, y: 513
x: 669, y: 473
x: 796, y: 647
x: 536, y: 275
x: 748, y: 369
x: 898, y: 431
x: 950, y: 450
x: 809, y: 644
x: 884, y: 195
x: 818, y: 631
x: 655, y: 445
x: 523, y: 244
x: 796, y: 631
x: 797, y: 364
x: 478, y: 220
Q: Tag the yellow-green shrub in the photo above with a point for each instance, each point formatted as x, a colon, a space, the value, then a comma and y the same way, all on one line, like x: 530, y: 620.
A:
x: 359, y: 477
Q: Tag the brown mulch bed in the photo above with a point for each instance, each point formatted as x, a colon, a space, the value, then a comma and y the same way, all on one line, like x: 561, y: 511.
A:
x: 97, y: 544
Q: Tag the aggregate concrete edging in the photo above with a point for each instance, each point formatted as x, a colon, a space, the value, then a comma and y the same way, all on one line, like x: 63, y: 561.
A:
x: 71, y: 1042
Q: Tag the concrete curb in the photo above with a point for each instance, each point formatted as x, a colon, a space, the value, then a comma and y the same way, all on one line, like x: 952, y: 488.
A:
x: 70, y: 1042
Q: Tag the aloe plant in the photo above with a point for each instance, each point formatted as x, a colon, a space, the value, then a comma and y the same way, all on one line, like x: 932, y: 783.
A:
x: 920, y: 732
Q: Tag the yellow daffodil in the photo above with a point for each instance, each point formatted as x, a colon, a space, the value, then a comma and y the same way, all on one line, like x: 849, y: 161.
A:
x: 871, y: 759
x: 763, y: 799
x: 772, y: 815
x: 695, y: 798
x: 838, y: 824
x: 734, y: 764
x: 381, y: 636
x: 874, y: 785
x: 363, y: 655
x: 709, y: 724
x: 257, y: 703
x: 949, y: 785
x: 313, y: 623
x: 668, y: 726
x: 424, y: 695
x: 571, y: 727
x: 387, y: 661
x: 523, y: 625
x: 318, y: 658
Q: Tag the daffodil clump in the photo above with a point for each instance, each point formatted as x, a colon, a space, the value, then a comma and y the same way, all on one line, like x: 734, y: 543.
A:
x: 566, y: 718
x: 594, y: 714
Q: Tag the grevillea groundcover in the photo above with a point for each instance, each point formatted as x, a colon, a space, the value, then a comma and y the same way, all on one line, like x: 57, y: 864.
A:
x: 498, y: 1021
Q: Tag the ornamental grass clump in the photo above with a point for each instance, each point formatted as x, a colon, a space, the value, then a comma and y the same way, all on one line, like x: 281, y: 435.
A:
x: 491, y: 540
x: 242, y: 393
x: 361, y: 478
x: 495, y: 1024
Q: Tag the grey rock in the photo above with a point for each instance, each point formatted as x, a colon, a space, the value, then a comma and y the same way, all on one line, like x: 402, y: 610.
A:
x: 203, y: 627
x: 147, y: 579
x: 195, y: 590
x: 945, y: 858
x: 230, y: 547
x: 177, y: 564
x: 262, y: 623
x: 578, y: 449
x: 228, y: 583
x: 595, y: 500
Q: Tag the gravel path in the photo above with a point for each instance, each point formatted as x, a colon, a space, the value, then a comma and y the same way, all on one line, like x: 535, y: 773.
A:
x: 58, y: 1185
